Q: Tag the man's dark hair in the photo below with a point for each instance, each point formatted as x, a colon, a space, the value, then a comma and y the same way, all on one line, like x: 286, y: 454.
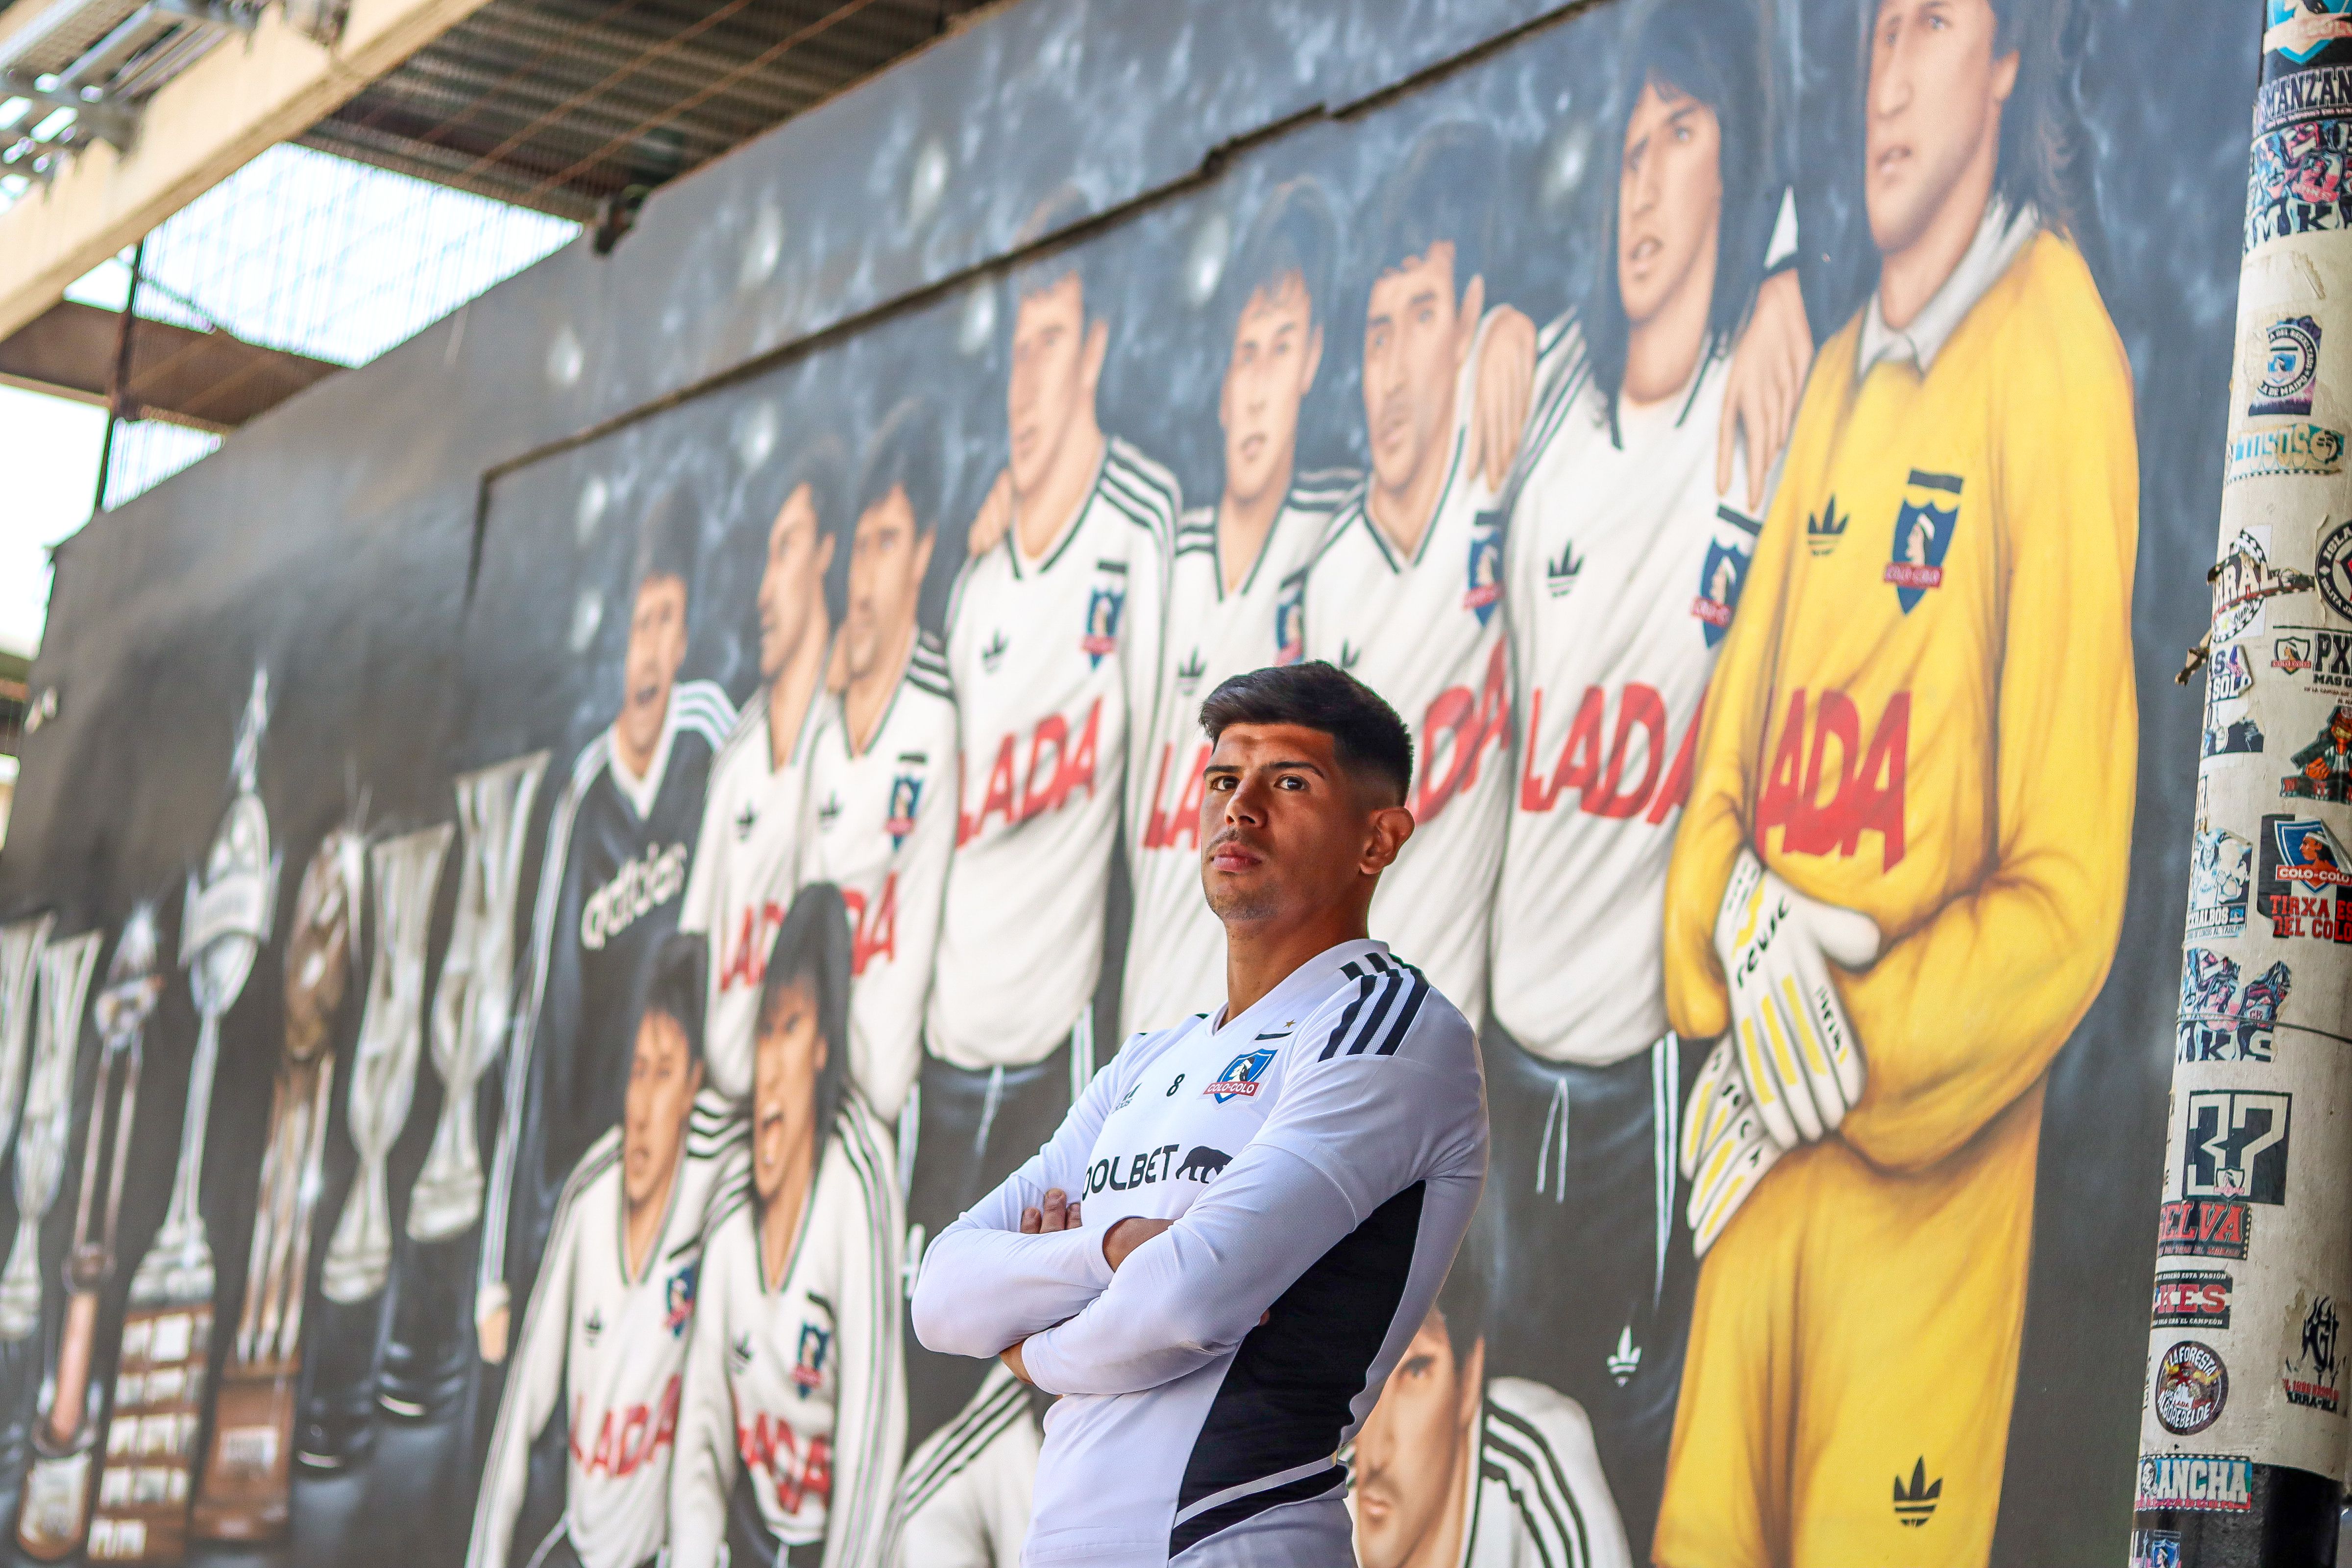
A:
x: 1368, y: 739
x: 904, y: 454
x: 1708, y: 51
x: 812, y: 949
x: 821, y: 463
x: 668, y: 542
x: 1063, y: 208
x: 675, y: 989
x: 1462, y: 1305
x: 2040, y: 146
x: 1443, y: 194
x: 1295, y: 234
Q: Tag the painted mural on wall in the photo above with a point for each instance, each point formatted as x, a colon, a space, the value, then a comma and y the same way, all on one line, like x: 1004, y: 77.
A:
x: 1701, y: 419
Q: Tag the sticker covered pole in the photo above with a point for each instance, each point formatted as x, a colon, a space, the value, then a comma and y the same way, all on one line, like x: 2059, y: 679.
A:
x: 2244, y: 1420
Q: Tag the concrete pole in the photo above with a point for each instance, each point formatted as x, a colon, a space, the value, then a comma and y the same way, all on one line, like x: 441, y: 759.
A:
x: 2245, y: 1416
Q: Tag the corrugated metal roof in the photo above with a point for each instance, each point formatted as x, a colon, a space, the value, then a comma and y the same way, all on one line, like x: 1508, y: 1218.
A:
x: 557, y: 104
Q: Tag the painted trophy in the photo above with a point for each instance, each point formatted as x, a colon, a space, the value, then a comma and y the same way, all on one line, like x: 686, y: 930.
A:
x: 20, y: 957
x: 21, y: 946
x: 405, y: 871
x: 243, y: 1493
x: 167, y: 1330
x: 66, y: 966
x: 57, y: 1493
x: 430, y: 1351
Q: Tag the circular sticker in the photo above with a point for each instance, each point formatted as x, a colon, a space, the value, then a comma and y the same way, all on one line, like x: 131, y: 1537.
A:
x: 2191, y: 1386
x: 2334, y: 569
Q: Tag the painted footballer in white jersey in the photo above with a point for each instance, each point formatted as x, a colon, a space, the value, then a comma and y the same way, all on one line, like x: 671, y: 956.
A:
x: 1425, y: 631
x: 742, y: 883
x: 880, y: 826
x: 1176, y: 952
x: 1537, y: 1496
x: 1054, y: 661
x: 795, y: 1387
x: 1622, y: 569
x: 613, y: 1346
x: 1347, y: 1103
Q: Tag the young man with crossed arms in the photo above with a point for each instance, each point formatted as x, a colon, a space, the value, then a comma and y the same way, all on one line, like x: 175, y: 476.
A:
x: 1212, y: 1364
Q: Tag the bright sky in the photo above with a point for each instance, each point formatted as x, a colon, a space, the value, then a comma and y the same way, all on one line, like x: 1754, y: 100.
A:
x: 50, y: 468
x: 299, y: 250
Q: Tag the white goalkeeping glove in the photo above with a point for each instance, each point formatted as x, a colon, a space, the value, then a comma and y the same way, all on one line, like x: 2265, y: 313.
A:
x: 1788, y: 1031
x: 1788, y: 1068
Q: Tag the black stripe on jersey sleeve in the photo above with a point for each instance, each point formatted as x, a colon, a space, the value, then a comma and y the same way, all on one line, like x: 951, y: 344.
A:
x: 1415, y: 996
x: 1151, y: 487
x: 967, y: 1440
x: 1364, y: 987
x: 1393, y: 988
x: 1524, y: 1461
x: 1286, y: 1397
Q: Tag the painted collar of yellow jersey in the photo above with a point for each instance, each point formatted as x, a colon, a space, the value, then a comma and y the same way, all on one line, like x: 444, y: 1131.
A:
x: 2000, y: 234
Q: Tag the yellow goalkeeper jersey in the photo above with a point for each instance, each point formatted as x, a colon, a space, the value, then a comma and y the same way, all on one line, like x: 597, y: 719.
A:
x: 1924, y: 711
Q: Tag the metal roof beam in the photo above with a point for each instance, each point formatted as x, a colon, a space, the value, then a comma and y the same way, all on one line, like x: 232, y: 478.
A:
x: 197, y: 129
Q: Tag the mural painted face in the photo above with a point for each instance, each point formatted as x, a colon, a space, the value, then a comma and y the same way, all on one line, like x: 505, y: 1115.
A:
x: 663, y: 1079
x: 1669, y: 203
x: 791, y: 586
x: 656, y: 648
x: 792, y: 1055
x: 1056, y: 358
x: 887, y: 559
x: 1416, y: 335
x: 1277, y: 347
x: 1411, y: 1453
x: 1933, y: 114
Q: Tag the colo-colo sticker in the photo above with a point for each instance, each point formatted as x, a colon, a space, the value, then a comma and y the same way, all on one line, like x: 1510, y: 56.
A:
x: 2192, y: 1386
x: 2323, y: 768
x: 2313, y: 1378
x: 2320, y: 654
x: 2333, y: 569
x: 2241, y: 580
x: 2305, y: 890
x: 2196, y: 1298
x: 2220, y: 875
x: 2234, y: 1145
x: 2204, y: 1228
x: 2288, y: 449
x: 2195, y: 1483
x: 2223, y: 1020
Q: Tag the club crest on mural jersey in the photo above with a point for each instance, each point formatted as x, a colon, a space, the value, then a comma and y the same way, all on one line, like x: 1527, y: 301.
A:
x: 905, y: 796
x: 1290, y: 621
x: 1240, y: 1078
x: 678, y: 1298
x: 1924, y: 526
x: 1104, y: 604
x: 808, y: 1362
x: 1485, y: 588
x: 1721, y: 577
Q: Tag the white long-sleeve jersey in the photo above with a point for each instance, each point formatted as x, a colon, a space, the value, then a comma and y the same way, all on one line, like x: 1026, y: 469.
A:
x: 1055, y: 662
x: 798, y: 1384
x: 881, y: 825
x: 1425, y: 631
x: 615, y: 1344
x: 1176, y: 954
x: 1623, y: 566
x: 1320, y: 1155
x: 742, y: 883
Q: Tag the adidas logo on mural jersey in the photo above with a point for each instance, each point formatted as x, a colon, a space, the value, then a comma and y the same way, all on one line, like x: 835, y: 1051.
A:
x: 1823, y: 533
x: 1560, y: 575
x: 1916, y: 1504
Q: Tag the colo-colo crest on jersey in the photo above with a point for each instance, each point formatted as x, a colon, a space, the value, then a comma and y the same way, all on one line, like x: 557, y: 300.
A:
x: 1241, y: 1075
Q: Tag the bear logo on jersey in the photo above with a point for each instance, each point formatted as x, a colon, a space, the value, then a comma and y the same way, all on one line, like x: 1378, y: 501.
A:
x: 1922, y: 534
x: 808, y: 1366
x: 1241, y: 1075
x: 906, y: 795
x: 1719, y: 579
x: 1290, y: 621
x: 1103, y: 607
x: 1486, y: 588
